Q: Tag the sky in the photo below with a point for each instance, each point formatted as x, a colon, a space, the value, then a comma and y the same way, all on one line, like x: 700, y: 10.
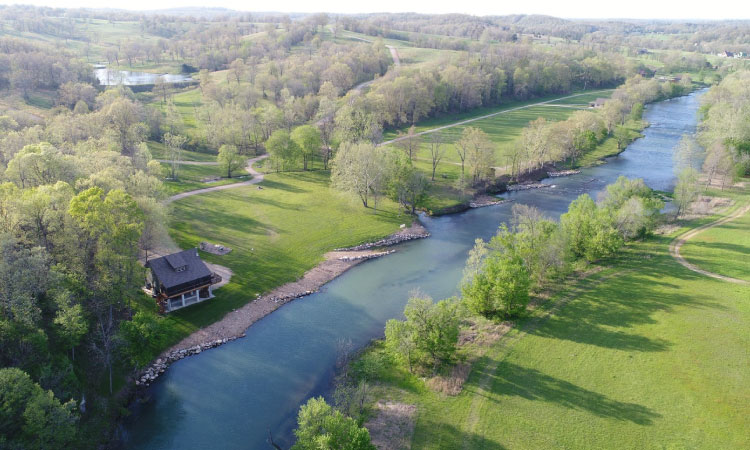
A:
x: 636, y: 9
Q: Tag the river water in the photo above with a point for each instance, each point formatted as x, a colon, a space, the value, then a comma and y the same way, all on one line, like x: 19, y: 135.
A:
x: 112, y: 77
x: 231, y: 396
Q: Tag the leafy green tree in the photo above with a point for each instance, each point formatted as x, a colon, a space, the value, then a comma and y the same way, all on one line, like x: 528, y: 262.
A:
x: 142, y: 337
x: 590, y: 231
x: 70, y: 322
x: 407, y: 185
x: 320, y: 427
x: 500, y: 288
x: 429, y: 334
x: 308, y: 139
x: 360, y: 169
x: 31, y: 418
x: 401, y: 342
x: 229, y: 159
x: 283, y: 150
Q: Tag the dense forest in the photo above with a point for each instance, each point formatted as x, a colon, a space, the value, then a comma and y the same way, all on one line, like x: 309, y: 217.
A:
x: 81, y: 191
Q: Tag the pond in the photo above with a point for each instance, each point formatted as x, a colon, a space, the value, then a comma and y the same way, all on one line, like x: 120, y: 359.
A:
x: 231, y: 396
x: 113, y: 77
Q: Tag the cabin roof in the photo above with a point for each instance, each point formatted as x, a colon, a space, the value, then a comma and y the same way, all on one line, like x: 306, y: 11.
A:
x: 178, y: 270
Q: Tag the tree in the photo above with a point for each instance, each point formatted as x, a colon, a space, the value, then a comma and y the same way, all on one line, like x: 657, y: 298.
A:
x: 174, y: 144
x: 161, y: 88
x: 307, y: 138
x: 229, y: 159
x: 429, y: 334
x: 283, y: 150
x: 320, y: 427
x: 70, y: 321
x: 589, y: 230
x: 686, y: 190
x: 142, y: 339
x: 436, y: 151
x: 475, y: 149
x: 360, y: 169
x: 409, y: 142
x: 237, y: 68
x: 401, y: 342
x: 408, y: 185
x: 498, y: 286
x: 688, y: 154
x: 622, y: 137
x: 32, y: 418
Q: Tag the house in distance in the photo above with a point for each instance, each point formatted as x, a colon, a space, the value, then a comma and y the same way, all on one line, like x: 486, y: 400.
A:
x: 179, y: 280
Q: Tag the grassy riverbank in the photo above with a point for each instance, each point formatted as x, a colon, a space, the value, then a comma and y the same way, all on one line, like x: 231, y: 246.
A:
x: 634, y: 356
x: 276, y: 234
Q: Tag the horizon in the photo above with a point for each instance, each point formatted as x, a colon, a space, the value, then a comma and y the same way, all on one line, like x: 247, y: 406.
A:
x: 581, y: 10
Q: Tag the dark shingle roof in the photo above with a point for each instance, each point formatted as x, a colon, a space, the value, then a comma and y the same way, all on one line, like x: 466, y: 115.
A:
x: 173, y: 280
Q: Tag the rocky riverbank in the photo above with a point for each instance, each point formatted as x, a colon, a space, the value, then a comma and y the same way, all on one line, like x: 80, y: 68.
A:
x: 562, y: 173
x: 486, y: 200
x: 527, y: 186
x: 234, y: 324
x: 416, y: 231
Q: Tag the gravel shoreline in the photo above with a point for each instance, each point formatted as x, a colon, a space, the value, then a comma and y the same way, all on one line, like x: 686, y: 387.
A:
x: 233, y: 325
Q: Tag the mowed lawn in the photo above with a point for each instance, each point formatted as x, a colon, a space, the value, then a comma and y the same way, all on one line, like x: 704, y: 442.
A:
x: 191, y: 177
x: 724, y: 249
x: 276, y: 234
x: 647, y: 355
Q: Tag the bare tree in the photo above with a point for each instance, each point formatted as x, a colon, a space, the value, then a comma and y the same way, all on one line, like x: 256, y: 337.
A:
x: 436, y: 151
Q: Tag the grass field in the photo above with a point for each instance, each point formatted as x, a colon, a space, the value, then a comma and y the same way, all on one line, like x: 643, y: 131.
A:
x: 641, y: 356
x: 504, y: 130
x: 190, y: 177
x: 723, y: 249
x: 276, y: 235
x: 159, y: 151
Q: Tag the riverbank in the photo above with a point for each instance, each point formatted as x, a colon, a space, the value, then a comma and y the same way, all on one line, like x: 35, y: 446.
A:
x: 234, y: 324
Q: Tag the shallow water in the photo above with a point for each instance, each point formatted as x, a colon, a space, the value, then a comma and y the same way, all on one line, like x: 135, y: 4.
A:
x: 112, y: 77
x: 231, y: 396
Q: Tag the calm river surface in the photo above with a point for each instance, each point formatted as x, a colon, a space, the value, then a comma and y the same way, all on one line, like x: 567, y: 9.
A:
x: 230, y: 396
x: 112, y: 77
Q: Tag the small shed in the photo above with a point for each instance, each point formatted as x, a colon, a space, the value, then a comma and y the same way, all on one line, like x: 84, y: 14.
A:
x: 598, y: 103
x: 179, y: 280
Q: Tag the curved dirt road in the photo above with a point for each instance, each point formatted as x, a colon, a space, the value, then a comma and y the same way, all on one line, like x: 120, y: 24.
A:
x: 257, y: 178
x: 674, y: 247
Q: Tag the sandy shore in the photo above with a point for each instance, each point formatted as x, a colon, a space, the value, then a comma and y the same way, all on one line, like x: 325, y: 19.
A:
x: 235, y: 323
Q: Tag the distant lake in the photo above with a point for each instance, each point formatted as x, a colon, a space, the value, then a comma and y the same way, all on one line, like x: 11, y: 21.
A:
x: 111, y: 77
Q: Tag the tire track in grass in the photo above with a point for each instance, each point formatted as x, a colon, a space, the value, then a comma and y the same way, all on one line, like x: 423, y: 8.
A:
x: 674, y: 247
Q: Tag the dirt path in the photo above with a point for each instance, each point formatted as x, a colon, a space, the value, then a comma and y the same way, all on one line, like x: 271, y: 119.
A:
x: 486, y: 116
x: 257, y: 178
x: 394, y: 55
x: 674, y: 247
x: 190, y: 163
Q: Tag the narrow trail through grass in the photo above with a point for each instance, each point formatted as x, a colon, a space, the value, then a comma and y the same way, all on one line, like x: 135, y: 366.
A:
x: 674, y: 247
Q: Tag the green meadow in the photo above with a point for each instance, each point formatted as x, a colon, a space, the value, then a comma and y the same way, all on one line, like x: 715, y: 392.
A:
x: 646, y: 356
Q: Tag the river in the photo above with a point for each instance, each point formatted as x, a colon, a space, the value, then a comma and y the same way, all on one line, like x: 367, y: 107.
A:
x: 231, y: 396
